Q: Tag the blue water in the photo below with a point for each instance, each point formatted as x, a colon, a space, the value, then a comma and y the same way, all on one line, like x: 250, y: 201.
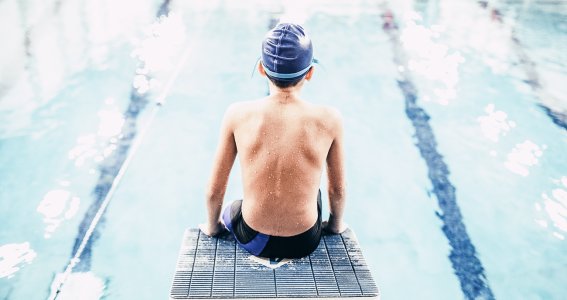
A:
x: 455, y: 132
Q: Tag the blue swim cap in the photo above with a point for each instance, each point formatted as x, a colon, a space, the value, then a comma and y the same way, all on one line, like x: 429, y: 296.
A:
x: 287, y: 52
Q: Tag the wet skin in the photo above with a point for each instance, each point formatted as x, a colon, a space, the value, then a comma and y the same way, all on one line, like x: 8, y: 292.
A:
x: 283, y: 143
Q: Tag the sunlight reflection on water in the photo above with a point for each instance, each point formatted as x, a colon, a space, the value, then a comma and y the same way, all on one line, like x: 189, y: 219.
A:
x: 159, y: 50
x: 57, y: 206
x: 431, y: 60
x: 97, y: 146
x: 12, y: 256
x: 80, y: 285
x: 523, y: 156
x: 495, y: 123
x: 555, y: 205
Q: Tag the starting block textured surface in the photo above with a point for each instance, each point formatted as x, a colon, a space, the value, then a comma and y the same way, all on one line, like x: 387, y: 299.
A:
x: 212, y: 268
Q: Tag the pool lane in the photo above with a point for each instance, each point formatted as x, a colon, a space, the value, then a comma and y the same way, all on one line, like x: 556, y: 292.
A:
x: 49, y: 172
x: 44, y: 189
x: 389, y: 202
x: 110, y: 173
x: 163, y: 191
x: 506, y: 156
x: 551, y: 104
x: 463, y: 256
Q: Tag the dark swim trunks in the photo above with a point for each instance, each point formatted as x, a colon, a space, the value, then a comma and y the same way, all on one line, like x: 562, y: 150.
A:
x: 269, y: 246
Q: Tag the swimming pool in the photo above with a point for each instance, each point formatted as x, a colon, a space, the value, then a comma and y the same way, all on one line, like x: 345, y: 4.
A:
x: 455, y: 135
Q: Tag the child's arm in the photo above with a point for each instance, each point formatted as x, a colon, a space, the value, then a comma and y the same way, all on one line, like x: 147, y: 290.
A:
x: 336, y: 179
x: 224, y: 159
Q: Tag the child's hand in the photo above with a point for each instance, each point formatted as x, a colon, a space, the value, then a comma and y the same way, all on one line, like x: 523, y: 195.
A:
x: 335, y: 227
x: 212, y: 230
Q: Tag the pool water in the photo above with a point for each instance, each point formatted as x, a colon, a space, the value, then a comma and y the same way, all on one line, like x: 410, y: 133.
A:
x: 455, y: 127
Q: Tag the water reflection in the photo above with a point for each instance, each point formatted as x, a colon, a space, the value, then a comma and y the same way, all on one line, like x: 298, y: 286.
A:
x: 159, y: 51
x: 98, y: 146
x: 554, y: 204
x: 523, y: 156
x: 495, y: 123
x: 474, y: 32
x: 13, y: 256
x: 111, y: 122
x: 83, y: 150
x: 432, y: 60
x: 80, y: 285
x: 537, y: 46
x: 47, y: 42
x: 57, y: 206
x: 117, y: 131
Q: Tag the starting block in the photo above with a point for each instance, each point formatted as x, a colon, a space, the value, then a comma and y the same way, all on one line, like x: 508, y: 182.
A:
x: 217, y: 268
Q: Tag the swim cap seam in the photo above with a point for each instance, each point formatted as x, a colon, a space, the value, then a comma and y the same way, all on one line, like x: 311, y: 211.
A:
x: 295, y: 51
x: 284, y: 30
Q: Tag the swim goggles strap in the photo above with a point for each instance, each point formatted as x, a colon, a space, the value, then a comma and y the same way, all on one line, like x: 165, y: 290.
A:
x: 284, y: 75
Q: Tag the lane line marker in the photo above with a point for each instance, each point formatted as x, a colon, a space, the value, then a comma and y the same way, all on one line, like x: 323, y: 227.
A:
x: 466, y: 264
x: 60, y: 279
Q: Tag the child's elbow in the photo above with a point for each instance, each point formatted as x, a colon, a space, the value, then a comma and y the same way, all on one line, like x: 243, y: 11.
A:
x: 214, y: 194
x: 337, y: 192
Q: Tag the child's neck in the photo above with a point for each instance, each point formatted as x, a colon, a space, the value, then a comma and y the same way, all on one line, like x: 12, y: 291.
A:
x: 290, y: 93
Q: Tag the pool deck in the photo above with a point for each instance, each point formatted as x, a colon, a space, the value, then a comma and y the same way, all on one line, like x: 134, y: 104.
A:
x: 216, y: 268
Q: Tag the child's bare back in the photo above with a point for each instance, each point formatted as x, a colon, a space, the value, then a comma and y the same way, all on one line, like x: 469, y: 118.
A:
x: 282, y: 144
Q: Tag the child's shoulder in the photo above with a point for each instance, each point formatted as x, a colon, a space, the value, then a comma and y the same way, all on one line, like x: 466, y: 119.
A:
x: 327, y: 112
x: 242, y: 109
